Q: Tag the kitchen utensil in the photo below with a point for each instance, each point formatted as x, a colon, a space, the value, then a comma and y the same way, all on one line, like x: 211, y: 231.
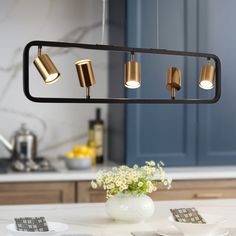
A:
x: 23, y: 145
x: 55, y: 228
x: 213, y: 223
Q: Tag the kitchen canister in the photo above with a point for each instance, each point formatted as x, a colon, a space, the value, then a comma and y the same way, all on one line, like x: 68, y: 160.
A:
x: 130, y: 207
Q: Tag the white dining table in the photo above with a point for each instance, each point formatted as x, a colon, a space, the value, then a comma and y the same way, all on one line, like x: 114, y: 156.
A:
x: 91, y: 218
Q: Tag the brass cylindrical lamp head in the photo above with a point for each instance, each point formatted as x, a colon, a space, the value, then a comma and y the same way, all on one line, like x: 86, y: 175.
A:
x: 132, y: 74
x: 47, y: 69
x: 207, y: 77
x: 173, y: 80
x: 85, y: 73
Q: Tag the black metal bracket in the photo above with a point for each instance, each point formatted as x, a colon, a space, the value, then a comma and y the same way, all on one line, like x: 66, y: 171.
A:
x: 119, y: 49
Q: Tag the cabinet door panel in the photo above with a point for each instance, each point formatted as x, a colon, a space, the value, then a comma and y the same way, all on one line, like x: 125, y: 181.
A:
x: 197, y: 189
x: 217, y: 129
x: 162, y: 132
x: 37, y: 193
x: 85, y: 193
x: 26, y: 197
x: 194, y: 194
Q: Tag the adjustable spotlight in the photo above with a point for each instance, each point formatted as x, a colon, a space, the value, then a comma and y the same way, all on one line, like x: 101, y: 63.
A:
x: 173, y: 80
x: 85, y: 74
x: 132, y: 74
x: 207, y: 78
x: 46, y: 68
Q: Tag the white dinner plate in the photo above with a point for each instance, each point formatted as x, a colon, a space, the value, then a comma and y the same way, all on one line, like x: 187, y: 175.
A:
x: 55, y: 228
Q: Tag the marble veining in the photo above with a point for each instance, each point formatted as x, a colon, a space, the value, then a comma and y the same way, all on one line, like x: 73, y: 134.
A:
x: 74, y: 28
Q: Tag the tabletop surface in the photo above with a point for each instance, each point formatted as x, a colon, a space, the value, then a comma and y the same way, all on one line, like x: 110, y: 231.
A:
x: 92, y: 219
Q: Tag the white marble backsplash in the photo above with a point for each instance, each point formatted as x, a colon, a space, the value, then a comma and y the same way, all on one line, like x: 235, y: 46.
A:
x: 58, y: 126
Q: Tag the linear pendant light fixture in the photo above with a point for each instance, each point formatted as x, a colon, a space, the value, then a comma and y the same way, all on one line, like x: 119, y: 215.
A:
x: 210, y: 74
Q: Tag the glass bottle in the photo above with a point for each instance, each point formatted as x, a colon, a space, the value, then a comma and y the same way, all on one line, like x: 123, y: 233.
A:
x: 91, y: 142
x: 98, y: 127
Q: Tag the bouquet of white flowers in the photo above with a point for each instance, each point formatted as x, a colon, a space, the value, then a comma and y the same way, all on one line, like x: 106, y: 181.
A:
x: 136, y: 180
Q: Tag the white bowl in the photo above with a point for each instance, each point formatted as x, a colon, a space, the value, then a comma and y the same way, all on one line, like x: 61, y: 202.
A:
x: 55, y: 228
x: 79, y: 163
x: 190, y: 229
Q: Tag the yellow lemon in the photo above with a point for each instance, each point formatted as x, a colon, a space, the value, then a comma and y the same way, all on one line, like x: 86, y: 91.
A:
x: 76, y: 149
x: 70, y: 155
x: 83, y: 149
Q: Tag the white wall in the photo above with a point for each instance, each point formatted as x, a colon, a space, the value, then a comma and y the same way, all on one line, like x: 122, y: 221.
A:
x: 22, y: 21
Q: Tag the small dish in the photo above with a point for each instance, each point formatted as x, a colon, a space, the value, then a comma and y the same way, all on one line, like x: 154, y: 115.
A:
x: 55, y: 228
x: 208, y: 229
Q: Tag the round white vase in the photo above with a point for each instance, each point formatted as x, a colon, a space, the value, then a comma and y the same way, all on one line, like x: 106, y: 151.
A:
x: 130, y: 207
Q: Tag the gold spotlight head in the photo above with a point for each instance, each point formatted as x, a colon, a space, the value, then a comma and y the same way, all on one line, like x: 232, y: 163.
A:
x: 173, y: 80
x: 46, y: 68
x: 132, y: 74
x: 85, y: 73
x: 207, y: 77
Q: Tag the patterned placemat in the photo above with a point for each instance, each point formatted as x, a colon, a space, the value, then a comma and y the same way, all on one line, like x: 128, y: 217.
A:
x: 31, y: 224
x: 187, y: 215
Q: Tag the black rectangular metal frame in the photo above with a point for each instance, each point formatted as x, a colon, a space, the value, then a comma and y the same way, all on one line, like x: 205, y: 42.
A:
x: 119, y: 49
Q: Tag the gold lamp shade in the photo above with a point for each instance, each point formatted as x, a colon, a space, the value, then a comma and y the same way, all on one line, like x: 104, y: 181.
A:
x: 85, y: 73
x: 132, y: 74
x: 47, y: 69
x: 207, y: 77
x: 173, y: 80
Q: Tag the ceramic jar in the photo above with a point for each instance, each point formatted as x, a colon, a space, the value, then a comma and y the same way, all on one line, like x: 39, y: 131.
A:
x: 130, y: 207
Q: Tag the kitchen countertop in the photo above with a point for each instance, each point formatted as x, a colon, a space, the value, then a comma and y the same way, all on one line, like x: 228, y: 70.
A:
x: 92, y: 219
x: 63, y: 174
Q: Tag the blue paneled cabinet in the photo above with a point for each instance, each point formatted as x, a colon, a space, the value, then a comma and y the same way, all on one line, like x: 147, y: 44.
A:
x: 179, y: 135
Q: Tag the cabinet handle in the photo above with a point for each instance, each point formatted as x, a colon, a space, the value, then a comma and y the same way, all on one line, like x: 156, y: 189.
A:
x: 207, y: 195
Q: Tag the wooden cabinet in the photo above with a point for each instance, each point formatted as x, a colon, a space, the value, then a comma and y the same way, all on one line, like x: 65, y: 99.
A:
x: 69, y: 192
x: 197, y: 189
x: 37, y: 193
x: 86, y: 194
x: 181, y: 190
